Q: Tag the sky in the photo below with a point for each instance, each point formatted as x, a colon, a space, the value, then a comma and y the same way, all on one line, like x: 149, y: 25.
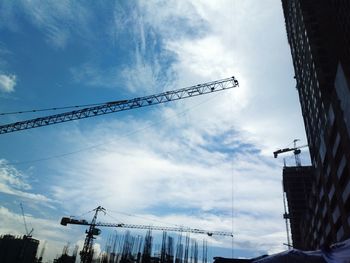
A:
x: 203, y: 162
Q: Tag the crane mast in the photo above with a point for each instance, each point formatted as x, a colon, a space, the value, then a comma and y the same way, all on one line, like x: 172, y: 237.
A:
x: 122, y: 105
x: 87, y: 252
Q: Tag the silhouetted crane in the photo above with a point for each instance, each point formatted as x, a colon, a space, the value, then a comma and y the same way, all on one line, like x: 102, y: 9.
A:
x: 296, y: 150
x: 28, y: 233
x: 87, y: 251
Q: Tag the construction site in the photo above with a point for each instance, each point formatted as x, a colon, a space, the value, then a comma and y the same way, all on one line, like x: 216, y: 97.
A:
x: 124, y: 247
x: 205, y: 156
x: 118, y: 248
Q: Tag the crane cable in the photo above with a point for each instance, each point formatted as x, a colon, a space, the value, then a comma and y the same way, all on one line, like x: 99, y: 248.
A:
x: 121, y: 138
x: 142, y: 217
x: 83, y: 214
x: 51, y: 109
x: 232, y: 160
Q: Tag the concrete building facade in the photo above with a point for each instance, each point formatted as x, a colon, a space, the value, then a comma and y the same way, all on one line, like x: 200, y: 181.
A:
x: 318, y: 34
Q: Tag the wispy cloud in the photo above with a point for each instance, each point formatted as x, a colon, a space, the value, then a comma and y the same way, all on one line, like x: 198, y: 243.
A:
x: 145, y: 75
x: 175, y: 178
x: 139, y: 44
x: 175, y: 20
x: 231, y: 45
x: 8, y: 82
x: 13, y: 182
x: 181, y: 165
x: 205, y: 162
x: 69, y: 18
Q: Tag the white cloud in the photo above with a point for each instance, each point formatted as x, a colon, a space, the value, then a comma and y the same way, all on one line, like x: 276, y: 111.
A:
x: 177, y: 165
x: 7, y: 83
x: 35, y: 197
x: 157, y: 169
x: 187, y: 162
x: 11, y: 176
x: 174, y: 19
x: 141, y: 76
x: 13, y: 182
x: 241, y: 39
x: 144, y: 72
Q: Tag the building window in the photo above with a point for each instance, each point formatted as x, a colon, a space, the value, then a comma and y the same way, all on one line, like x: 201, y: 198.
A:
x: 336, y: 144
x: 331, y: 116
x: 331, y: 193
x: 341, y: 167
x: 328, y: 229
x: 346, y: 192
x: 336, y: 215
x: 322, y: 148
x: 340, y: 233
x: 343, y: 92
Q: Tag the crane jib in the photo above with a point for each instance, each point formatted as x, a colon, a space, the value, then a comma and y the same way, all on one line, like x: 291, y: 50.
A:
x: 116, y: 106
x: 66, y: 220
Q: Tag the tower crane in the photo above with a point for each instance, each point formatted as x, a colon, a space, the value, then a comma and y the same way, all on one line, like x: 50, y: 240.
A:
x: 87, y: 251
x: 296, y: 150
x: 28, y: 233
x: 117, y: 106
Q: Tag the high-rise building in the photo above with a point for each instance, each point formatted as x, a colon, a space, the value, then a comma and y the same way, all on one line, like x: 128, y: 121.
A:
x: 318, y: 33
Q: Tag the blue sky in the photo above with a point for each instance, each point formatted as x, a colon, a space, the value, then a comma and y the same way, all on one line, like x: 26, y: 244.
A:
x: 179, y: 163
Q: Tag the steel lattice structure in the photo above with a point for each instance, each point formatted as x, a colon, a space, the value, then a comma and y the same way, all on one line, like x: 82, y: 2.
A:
x: 116, y: 106
x: 66, y: 220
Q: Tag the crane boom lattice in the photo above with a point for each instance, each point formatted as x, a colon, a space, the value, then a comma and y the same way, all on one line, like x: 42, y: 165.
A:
x: 116, y: 106
x: 66, y: 220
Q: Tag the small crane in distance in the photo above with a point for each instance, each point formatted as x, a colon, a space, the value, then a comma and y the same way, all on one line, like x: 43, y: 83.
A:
x: 296, y: 150
x: 117, y: 106
x: 26, y: 238
x: 87, y: 252
x: 28, y: 233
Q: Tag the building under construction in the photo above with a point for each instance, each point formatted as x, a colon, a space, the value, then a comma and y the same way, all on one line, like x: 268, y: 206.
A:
x: 126, y: 248
x: 131, y: 249
x: 15, y: 249
x: 65, y: 257
x: 318, y: 35
x: 297, y: 185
